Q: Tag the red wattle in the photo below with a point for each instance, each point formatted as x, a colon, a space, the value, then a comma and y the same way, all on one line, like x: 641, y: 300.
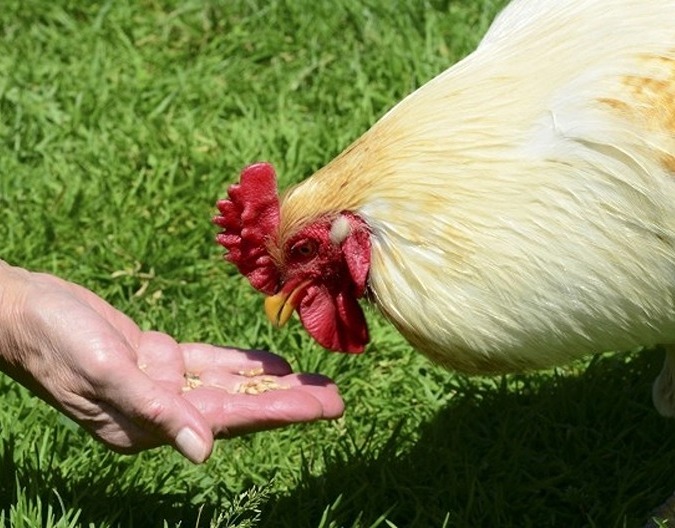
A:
x: 334, y: 319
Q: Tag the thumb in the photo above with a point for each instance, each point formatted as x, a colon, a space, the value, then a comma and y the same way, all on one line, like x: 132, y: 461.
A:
x: 159, y: 416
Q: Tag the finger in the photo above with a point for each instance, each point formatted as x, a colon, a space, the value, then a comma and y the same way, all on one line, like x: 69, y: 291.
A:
x: 160, y: 412
x: 254, y: 385
x: 235, y: 414
x: 159, y: 355
x: 324, y: 390
x: 223, y: 378
x: 200, y: 356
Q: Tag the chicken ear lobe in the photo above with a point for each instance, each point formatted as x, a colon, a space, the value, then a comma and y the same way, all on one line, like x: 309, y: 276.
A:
x: 334, y: 319
x: 356, y: 254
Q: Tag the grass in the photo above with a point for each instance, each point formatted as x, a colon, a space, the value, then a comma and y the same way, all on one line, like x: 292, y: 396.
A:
x: 121, y: 123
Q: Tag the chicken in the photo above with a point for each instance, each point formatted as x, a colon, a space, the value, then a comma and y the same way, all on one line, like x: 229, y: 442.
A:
x: 514, y: 213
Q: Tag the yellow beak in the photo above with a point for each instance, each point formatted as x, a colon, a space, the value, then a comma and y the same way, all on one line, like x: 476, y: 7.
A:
x: 280, y: 307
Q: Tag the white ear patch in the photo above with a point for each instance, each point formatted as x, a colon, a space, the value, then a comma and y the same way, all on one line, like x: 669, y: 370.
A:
x: 339, y: 230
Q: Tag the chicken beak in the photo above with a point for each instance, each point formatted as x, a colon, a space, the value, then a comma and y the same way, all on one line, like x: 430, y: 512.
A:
x: 280, y: 307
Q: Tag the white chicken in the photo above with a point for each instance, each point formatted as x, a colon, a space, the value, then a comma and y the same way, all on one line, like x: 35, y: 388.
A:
x: 513, y: 213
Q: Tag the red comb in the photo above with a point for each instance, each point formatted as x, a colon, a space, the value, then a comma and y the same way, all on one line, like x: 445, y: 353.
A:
x: 249, y: 216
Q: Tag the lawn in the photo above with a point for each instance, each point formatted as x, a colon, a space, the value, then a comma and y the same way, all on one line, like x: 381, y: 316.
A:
x: 121, y: 123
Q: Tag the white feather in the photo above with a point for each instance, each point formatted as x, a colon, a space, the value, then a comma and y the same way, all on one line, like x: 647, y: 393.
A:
x: 537, y: 226
x: 339, y: 230
x: 522, y: 203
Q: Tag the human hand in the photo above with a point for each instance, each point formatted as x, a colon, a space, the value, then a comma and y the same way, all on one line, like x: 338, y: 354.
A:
x: 135, y: 390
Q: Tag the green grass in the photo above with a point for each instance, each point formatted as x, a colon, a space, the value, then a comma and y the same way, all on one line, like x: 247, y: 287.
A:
x: 121, y: 123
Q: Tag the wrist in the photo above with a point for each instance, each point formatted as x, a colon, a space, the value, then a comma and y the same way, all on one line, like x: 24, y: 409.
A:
x: 13, y: 282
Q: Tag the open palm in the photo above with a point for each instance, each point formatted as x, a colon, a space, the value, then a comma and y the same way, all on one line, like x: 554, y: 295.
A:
x: 135, y: 389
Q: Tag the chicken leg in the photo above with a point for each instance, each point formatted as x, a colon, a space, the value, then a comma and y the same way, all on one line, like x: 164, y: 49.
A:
x: 663, y: 390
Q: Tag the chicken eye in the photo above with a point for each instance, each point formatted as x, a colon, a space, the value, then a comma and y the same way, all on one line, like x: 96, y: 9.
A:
x: 304, y: 249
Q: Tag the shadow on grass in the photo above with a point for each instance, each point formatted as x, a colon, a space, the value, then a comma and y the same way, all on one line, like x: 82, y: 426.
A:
x: 572, y: 451
x: 117, y: 492
x: 568, y: 451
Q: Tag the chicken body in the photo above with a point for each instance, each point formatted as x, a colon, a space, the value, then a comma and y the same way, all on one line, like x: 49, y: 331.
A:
x: 521, y: 205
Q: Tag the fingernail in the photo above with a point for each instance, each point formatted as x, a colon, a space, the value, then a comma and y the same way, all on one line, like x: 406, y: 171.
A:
x: 191, y: 446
